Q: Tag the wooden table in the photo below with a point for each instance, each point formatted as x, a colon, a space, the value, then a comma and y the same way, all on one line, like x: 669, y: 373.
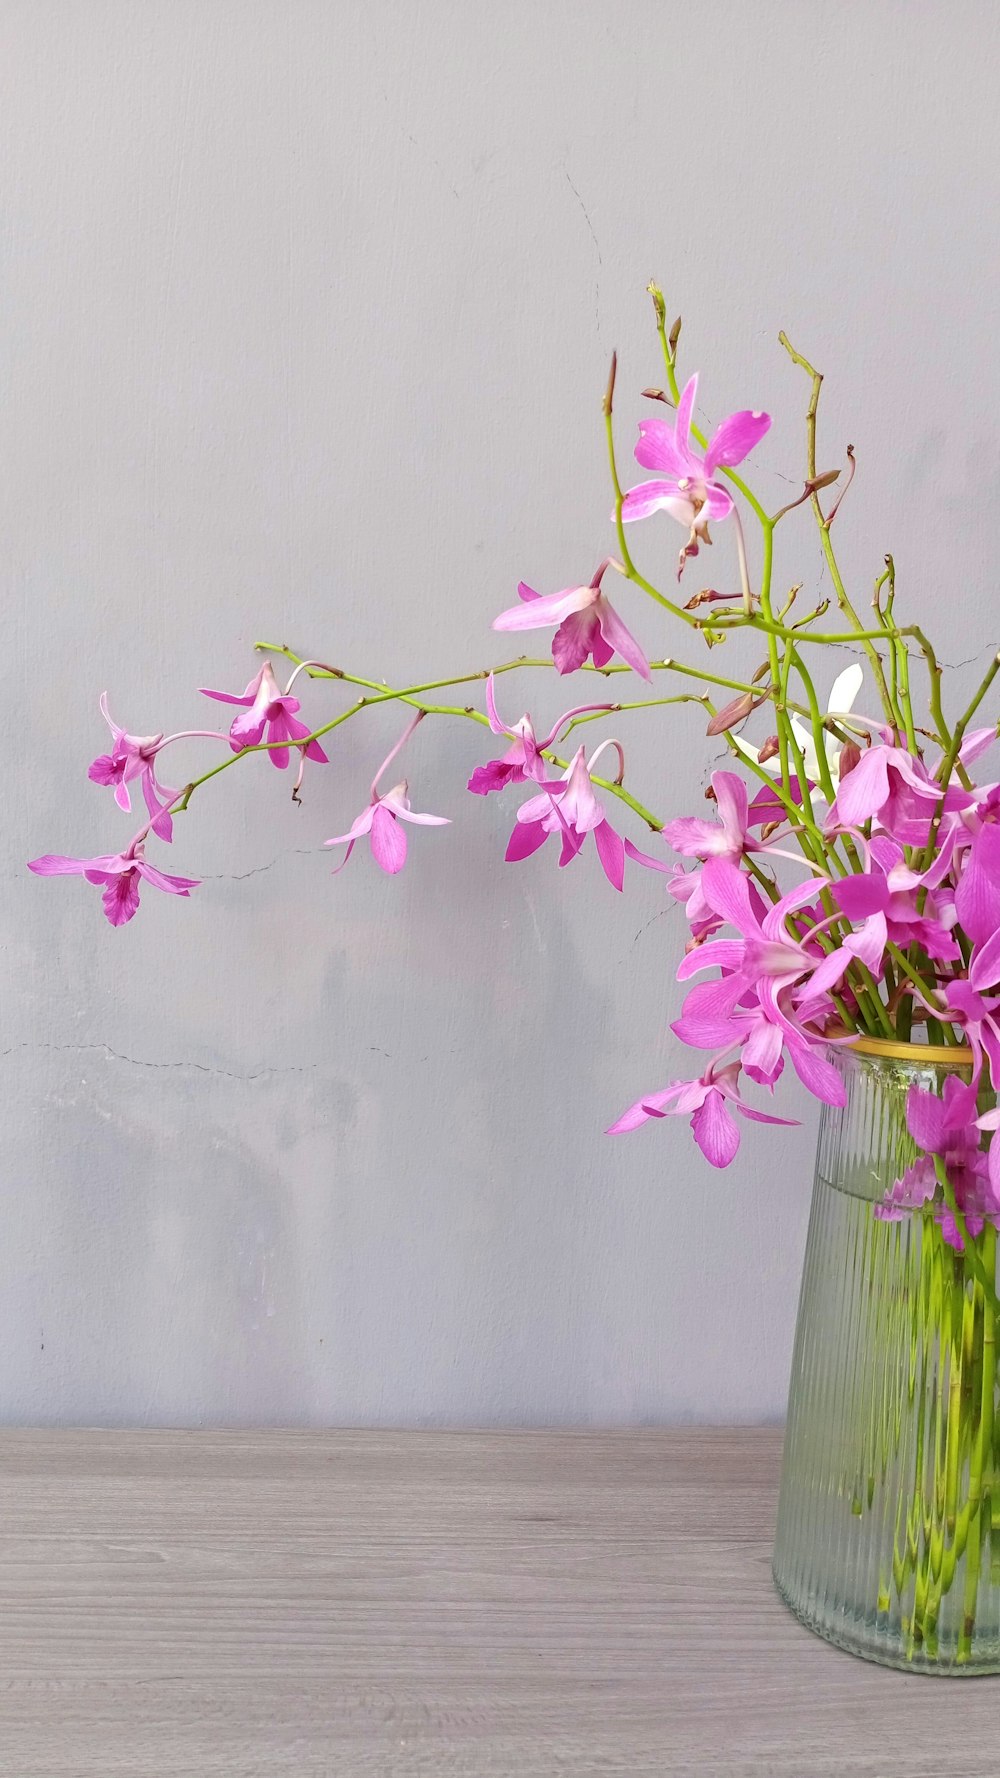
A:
x: 491, y: 1605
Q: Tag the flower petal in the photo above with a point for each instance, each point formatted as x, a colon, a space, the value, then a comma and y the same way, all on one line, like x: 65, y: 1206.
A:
x: 734, y: 438
x: 388, y: 840
x: 620, y: 639
x: 551, y: 608
x: 716, y: 1131
x: 611, y: 851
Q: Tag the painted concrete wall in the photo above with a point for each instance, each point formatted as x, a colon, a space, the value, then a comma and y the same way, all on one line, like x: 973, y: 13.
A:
x: 307, y: 308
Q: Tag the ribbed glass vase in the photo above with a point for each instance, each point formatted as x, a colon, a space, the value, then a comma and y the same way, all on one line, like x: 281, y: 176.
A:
x: 888, y: 1536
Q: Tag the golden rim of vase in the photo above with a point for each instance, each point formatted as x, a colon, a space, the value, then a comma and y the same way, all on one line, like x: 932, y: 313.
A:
x: 956, y: 1055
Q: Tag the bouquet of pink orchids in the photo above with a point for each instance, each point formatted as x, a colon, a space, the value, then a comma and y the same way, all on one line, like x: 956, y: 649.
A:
x: 847, y: 879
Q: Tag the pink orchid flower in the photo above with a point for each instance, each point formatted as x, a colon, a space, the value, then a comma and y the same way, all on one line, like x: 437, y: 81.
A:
x: 131, y: 757
x: 891, y: 888
x: 767, y: 965
x: 707, y: 1100
x: 948, y: 1128
x: 119, y: 874
x: 587, y: 625
x: 383, y: 815
x: 523, y: 759
x: 890, y: 786
x: 694, y: 837
x: 267, y: 709
x: 570, y: 807
x: 687, y: 489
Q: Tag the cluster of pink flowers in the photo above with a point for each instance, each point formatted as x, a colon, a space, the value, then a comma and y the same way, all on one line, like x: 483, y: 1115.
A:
x: 900, y: 898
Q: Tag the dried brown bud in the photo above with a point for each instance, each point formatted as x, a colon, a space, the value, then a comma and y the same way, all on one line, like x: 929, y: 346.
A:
x: 709, y: 597
x: 826, y: 480
x: 769, y: 828
x: 850, y: 756
x: 769, y: 749
x: 673, y: 336
x: 658, y: 395
x: 761, y: 673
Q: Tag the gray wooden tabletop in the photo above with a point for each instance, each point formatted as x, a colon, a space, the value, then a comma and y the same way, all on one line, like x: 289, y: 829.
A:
x: 491, y: 1605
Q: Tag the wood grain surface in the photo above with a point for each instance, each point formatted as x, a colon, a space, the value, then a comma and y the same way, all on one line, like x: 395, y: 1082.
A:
x: 490, y: 1605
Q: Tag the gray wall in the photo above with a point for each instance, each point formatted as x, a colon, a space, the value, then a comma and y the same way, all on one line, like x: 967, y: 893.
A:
x: 306, y: 310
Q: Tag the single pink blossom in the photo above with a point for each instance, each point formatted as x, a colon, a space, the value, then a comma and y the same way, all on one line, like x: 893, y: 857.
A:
x: 569, y: 807
x: 889, y: 785
x: 270, y: 710
x: 686, y: 488
x: 892, y: 889
x: 523, y: 759
x: 381, y: 822
x: 131, y: 757
x: 973, y: 1002
x: 119, y: 874
x: 694, y: 837
x: 383, y: 815
x: 707, y: 1101
x: 587, y: 625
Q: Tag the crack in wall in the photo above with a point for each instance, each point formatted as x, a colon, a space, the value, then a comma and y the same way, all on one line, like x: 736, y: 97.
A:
x: 114, y: 1055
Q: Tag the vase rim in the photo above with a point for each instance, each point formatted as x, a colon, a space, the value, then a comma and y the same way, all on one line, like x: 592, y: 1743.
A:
x: 957, y: 1056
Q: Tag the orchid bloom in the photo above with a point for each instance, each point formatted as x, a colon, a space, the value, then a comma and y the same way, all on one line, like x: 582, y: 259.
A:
x: 523, y: 759
x: 587, y: 625
x: 891, y: 889
x: 707, y: 1100
x: 686, y: 488
x: 131, y: 757
x: 767, y: 965
x: 948, y: 1128
x: 569, y: 807
x: 843, y: 696
x: 693, y: 837
x: 381, y: 819
x: 889, y: 785
x: 119, y: 874
x: 267, y: 708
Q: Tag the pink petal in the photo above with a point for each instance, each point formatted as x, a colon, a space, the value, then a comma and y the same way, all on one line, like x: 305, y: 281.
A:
x: 160, y: 879
x: 685, y: 409
x: 864, y: 790
x: 611, y: 851
x: 52, y: 865
x: 361, y: 826
x: 388, y: 840
x: 658, y: 449
x: 228, y: 697
x: 734, y: 439
x: 121, y: 898
x: 653, y: 1105
x: 984, y: 971
x: 491, y: 709
x: 716, y: 1131
x: 423, y: 820
x: 659, y: 496
x: 977, y: 898
x: 551, y: 608
x: 574, y: 640
x: 526, y: 592
x: 816, y: 1073
x: 727, y: 891
x: 620, y: 639
x: 525, y: 839
x: 732, y: 804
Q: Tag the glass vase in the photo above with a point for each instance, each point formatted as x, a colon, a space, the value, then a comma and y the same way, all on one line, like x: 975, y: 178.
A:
x: 888, y: 1534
